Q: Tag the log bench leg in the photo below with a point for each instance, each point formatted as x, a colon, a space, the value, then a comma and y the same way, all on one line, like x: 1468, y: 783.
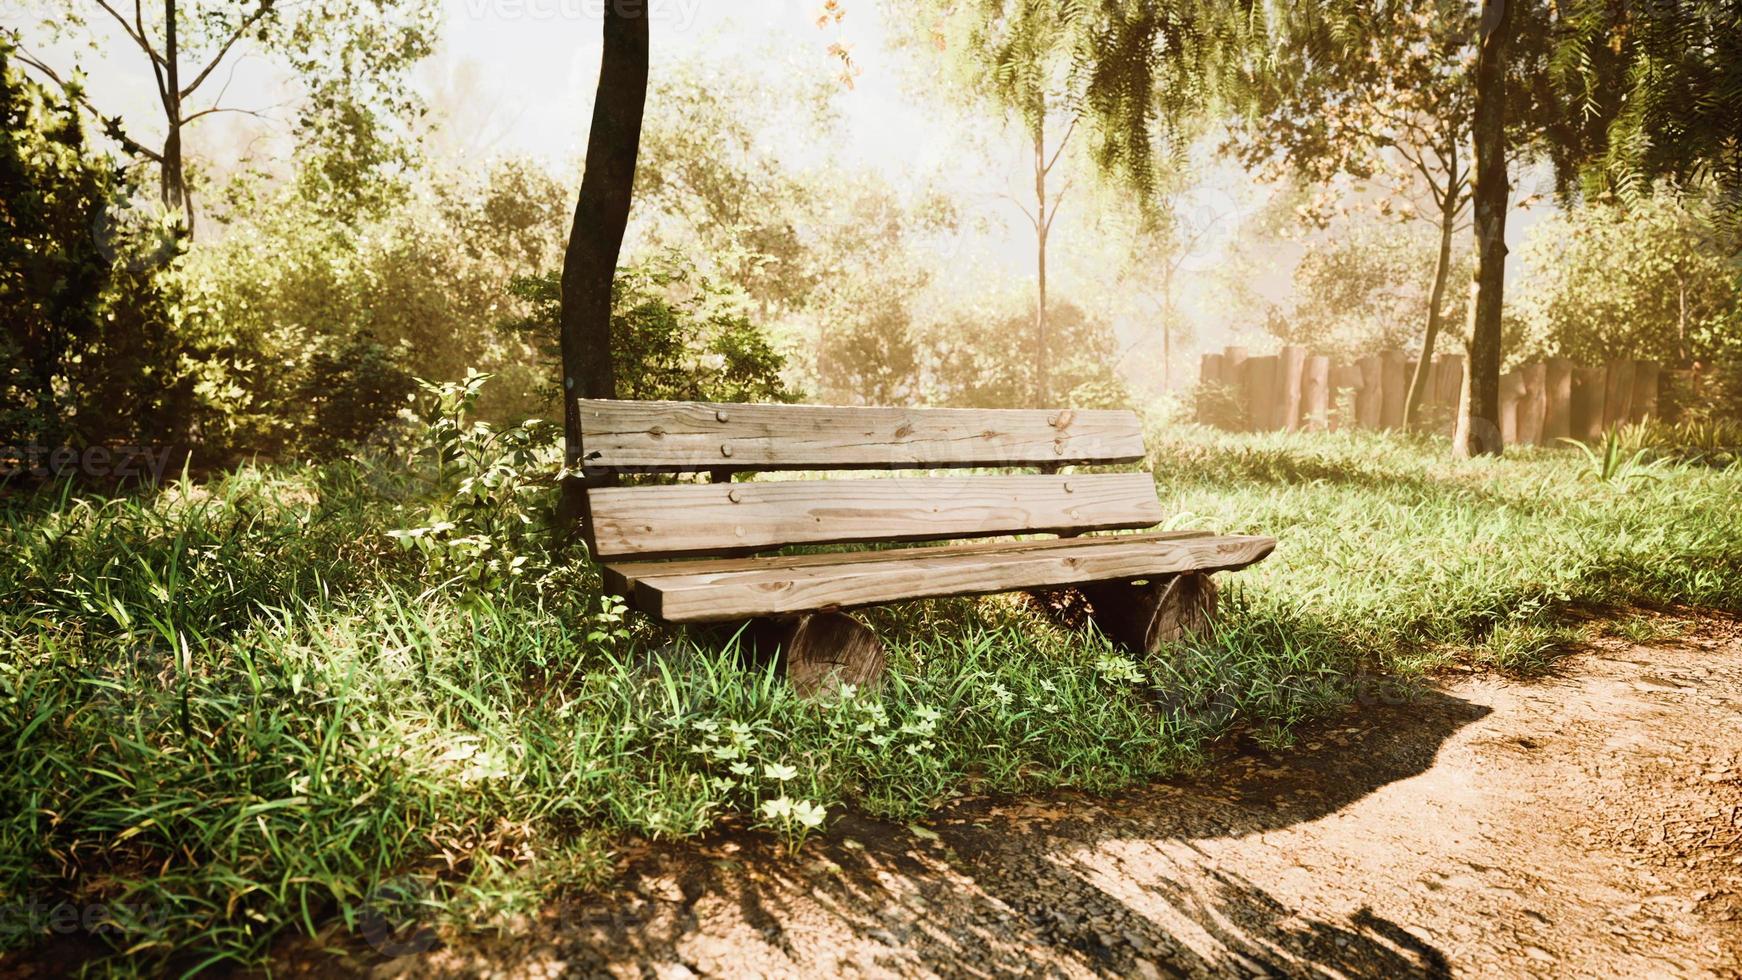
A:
x: 1160, y: 611
x: 821, y: 651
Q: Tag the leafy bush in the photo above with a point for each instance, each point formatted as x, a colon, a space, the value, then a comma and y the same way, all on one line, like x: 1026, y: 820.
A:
x: 91, y: 351
x: 675, y: 334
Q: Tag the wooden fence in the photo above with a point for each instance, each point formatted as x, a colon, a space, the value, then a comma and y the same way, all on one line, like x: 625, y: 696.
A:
x: 1540, y: 402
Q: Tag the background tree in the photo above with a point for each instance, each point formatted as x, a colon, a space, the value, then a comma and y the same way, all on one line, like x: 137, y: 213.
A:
x: 1652, y: 279
x: 1138, y: 75
x: 89, y: 355
x: 1657, y: 89
x: 1382, y: 93
x: 596, y: 233
x: 351, y: 56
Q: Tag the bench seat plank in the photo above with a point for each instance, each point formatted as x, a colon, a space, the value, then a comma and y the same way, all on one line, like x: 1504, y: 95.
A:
x: 854, y: 579
x: 620, y: 578
x: 681, y: 519
x: 682, y: 437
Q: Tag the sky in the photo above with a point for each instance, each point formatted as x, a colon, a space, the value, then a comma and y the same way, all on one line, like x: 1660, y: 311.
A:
x: 515, y: 78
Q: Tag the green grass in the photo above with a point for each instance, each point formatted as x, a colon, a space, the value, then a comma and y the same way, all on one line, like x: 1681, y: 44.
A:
x: 236, y: 709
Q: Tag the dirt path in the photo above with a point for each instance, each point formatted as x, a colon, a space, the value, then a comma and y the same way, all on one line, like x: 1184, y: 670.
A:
x: 1584, y: 824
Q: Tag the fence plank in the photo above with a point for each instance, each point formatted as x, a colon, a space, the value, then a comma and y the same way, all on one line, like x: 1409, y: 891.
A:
x: 1451, y: 389
x: 1533, y: 404
x: 1370, y: 397
x: 1587, y: 402
x: 1645, y: 383
x: 1511, y: 391
x: 1261, y: 392
x: 1234, y: 373
x: 1315, y: 393
x: 1557, y: 420
x: 1210, y: 369
x: 1394, y: 389
x: 1289, y: 387
x: 1618, y: 393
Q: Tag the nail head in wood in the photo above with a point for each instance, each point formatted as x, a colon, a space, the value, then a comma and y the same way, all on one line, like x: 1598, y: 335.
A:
x: 734, y: 496
x: 720, y: 414
x: 725, y: 449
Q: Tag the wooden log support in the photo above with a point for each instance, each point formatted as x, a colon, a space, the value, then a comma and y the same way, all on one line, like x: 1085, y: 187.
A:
x: 1368, y: 400
x: 1511, y: 390
x: 1533, y: 404
x: 1394, y: 381
x: 1646, y: 380
x: 1261, y: 392
x: 1587, y: 404
x: 1557, y: 420
x: 1147, y: 615
x: 1291, y: 387
x: 1618, y: 394
x: 820, y: 651
x: 1315, y: 394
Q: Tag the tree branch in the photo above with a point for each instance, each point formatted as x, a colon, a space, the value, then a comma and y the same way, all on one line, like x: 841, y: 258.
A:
x: 241, y: 29
x: 111, y: 126
x: 1066, y: 138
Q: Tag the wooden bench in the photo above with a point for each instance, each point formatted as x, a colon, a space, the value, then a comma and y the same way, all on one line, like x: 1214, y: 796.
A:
x: 686, y: 552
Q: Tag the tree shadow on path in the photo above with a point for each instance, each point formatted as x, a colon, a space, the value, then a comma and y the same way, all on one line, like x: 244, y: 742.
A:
x: 1055, y: 885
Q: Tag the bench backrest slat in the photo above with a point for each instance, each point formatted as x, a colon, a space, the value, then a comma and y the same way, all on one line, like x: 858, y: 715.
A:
x: 678, y: 437
x: 658, y: 521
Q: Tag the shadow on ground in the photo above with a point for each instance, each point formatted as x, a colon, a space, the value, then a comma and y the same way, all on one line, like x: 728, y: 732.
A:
x: 997, y: 886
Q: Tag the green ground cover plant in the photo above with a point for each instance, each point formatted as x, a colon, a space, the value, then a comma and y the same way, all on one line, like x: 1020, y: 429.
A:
x: 241, y: 706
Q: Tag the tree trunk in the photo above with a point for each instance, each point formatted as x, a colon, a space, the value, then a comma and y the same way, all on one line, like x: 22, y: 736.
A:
x: 172, y: 176
x: 601, y: 214
x: 1040, y: 230
x: 1479, y: 415
x: 1436, y: 299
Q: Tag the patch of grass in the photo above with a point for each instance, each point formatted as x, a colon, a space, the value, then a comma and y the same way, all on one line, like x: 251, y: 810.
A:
x: 1646, y: 629
x: 237, y: 708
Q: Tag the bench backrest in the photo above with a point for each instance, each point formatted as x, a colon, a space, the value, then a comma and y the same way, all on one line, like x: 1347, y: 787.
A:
x: 692, y: 437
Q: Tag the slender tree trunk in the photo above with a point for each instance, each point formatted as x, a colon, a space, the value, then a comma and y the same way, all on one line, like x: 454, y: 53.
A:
x: 172, y: 181
x: 1479, y: 415
x: 601, y: 214
x: 1040, y: 230
x: 1436, y: 300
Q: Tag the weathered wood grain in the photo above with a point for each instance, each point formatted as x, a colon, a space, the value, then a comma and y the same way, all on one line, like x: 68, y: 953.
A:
x: 1261, y: 394
x: 1315, y: 393
x: 701, y: 518
x: 1147, y: 616
x: 708, y: 597
x: 620, y: 577
x: 1618, y: 393
x: 1291, y: 366
x: 663, y: 436
x: 819, y: 652
x: 1557, y: 421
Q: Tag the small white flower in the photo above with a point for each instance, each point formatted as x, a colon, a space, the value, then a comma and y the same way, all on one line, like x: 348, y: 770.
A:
x: 809, y: 814
x: 779, y: 808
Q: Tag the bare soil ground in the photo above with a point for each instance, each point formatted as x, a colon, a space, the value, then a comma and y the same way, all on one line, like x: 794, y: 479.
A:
x: 1584, y: 823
